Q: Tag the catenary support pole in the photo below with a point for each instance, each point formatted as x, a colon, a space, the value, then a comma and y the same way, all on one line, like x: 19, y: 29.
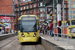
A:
x: 18, y: 8
x: 18, y: 12
x: 54, y: 18
x: 70, y: 11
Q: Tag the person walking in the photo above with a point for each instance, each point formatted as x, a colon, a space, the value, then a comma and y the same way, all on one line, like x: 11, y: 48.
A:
x: 51, y: 29
x: 45, y: 29
x: 48, y: 31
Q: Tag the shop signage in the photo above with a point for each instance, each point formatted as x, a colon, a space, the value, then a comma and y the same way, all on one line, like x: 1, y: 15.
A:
x: 6, y: 19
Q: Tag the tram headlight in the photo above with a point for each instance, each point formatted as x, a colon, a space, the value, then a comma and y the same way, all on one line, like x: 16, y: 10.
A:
x: 72, y: 30
x: 34, y: 35
x: 23, y: 35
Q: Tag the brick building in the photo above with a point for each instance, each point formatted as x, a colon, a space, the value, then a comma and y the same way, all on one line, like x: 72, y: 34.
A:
x: 7, y: 12
x: 31, y: 7
x: 72, y: 9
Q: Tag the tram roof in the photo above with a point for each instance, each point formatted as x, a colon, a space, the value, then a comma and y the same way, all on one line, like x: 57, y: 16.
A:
x: 27, y: 16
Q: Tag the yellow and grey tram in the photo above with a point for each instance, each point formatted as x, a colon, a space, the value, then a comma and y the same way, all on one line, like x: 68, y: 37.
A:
x: 28, y: 28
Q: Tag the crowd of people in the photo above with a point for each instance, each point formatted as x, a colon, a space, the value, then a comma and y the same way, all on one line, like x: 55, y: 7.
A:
x: 48, y: 30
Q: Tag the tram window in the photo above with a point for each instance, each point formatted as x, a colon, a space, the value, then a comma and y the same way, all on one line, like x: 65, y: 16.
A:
x: 73, y: 22
x: 68, y: 22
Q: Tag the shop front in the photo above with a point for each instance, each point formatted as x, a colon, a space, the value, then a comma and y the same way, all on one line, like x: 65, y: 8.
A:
x: 9, y: 22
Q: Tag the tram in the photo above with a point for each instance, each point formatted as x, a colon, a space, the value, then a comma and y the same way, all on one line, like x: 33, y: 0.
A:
x: 28, y: 28
x: 71, y: 29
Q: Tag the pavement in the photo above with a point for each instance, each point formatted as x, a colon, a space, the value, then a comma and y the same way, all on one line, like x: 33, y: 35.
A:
x: 6, y: 34
x: 60, y: 43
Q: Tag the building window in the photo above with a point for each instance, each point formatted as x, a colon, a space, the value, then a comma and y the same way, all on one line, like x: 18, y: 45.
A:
x: 73, y: 12
x: 24, y: 7
x: 73, y: 16
x: 21, y: 13
x: 41, y: 15
x: 24, y: 0
x: 30, y: 11
x: 34, y: 11
x: 44, y: 15
x: 30, y: 6
x: 27, y: 7
x: 69, y: 16
x: 34, y: 5
x: 15, y: 9
x: 55, y: 10
x: 41, y: 10
x: 71, y: 2
x: 21, y: 8
x: 26, y: 12
x: 41, y: 4
x: 74, y: 2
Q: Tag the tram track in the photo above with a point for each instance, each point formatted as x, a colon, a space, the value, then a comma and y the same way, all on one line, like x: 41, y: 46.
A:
x: 8, y: 43
x: 32, y: 47
x: 21, y: 47
x: 15, y: 45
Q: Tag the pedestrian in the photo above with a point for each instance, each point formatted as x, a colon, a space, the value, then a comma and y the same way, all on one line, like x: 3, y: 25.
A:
x: 48, y: 30
x: 40, y: 29
x: 6, y: 31
x: 45, y: 29
x: 51, y: 29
